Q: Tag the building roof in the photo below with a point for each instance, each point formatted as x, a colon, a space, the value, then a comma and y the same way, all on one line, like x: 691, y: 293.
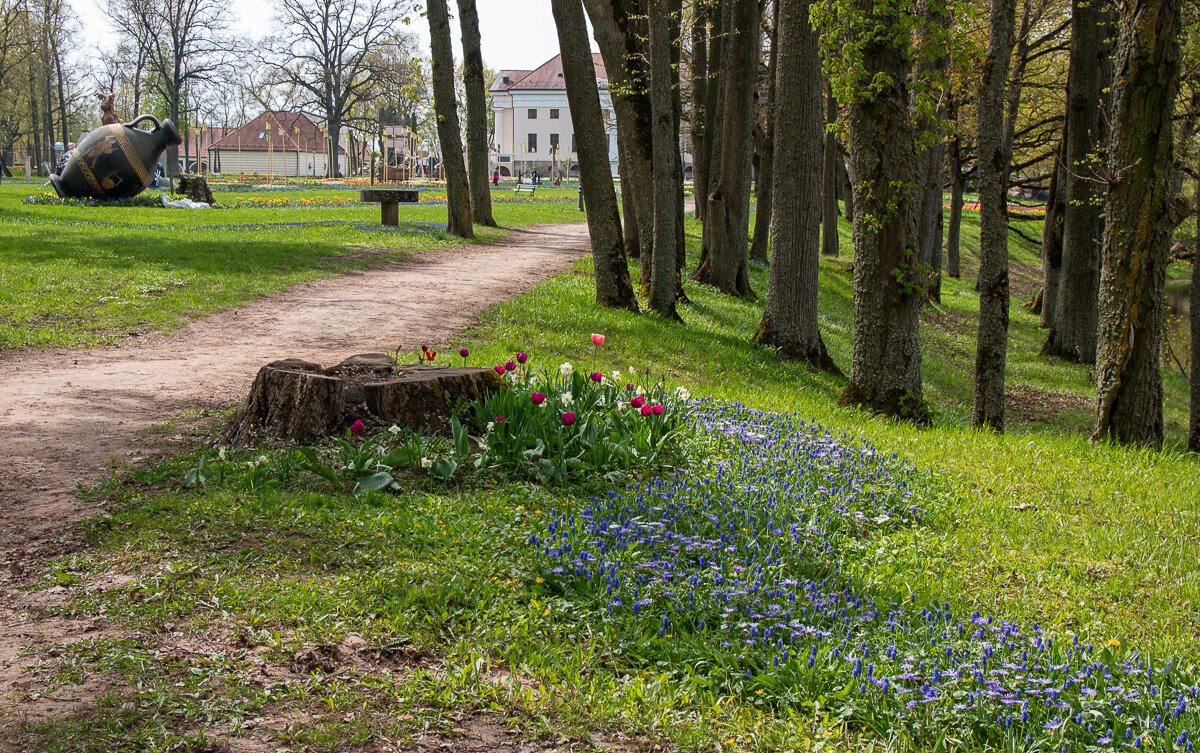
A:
x: 252, y: 137
x: 546, y: 77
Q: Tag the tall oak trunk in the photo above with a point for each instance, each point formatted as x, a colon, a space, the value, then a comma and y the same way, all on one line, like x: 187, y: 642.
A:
x: 1141, y: 214
x: 477, y: 115
x: 458, y: 193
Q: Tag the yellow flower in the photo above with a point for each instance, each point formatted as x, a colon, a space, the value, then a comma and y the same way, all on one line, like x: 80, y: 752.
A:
x: 1114, y: 642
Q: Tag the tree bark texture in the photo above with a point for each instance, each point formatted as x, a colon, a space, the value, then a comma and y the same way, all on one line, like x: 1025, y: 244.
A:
x: 954, y: 231
x: 458, y: 193
x: 831, y: 153
x: 765, y: 144
x: 789, y: 322
x: 663, y: 281
x: 1141, y: 215
x: 633, y: 248
x: 991, y: 353
x: 1194, y: 384
x: 700, y: 114
x: 885, y: 374
x: 613, y: 286
x: 1052, y: 237
x: 727, y: 226
x: 618, y: 26
x: 932, y: 160
x: 477, y: 115
x: 1074, y: 333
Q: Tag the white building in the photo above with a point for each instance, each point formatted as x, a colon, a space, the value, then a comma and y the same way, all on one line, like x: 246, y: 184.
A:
x: 274, y: 143
x: 533, y: 121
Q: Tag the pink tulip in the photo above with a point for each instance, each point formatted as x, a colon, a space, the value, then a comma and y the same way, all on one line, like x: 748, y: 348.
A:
x: 499, y: 369
x: 647, y: 410
x: 629, y: 386
x: 597, y: 377
x: 510, y: 366
x: 538, y: 398
x: 658, y: 409
x: 522, y: 358
x: 568, y: 418
x: 464, y: 352
x: 637, y: 402
x: 358, y: 427
x: 597, y: 339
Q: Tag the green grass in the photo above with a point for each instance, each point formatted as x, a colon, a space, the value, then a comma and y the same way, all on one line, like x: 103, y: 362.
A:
x: 77, y: 275
x: 1036, y: 525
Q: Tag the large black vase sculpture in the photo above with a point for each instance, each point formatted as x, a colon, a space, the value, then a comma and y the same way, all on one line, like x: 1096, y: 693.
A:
x: 115, y: 161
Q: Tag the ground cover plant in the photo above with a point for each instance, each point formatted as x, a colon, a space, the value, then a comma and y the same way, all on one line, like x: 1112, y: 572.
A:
x: 84, y: 274
x: 1054, y: 572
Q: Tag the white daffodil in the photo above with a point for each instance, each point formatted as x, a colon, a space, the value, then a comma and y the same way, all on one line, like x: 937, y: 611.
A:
x: 566, y: 369
x: 483, y: 446
x: 394, y: 430
x: 426, y: 463
x: 632, y: 371
x: 682, y: 393
x: 491, y: 425
x: 640, y: 390
x: 616, y: 375
x: 262, y: 459
x: 567, y: 399
x: 221, y: 453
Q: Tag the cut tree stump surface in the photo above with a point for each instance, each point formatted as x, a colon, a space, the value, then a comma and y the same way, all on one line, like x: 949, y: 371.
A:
x: 293, y: 400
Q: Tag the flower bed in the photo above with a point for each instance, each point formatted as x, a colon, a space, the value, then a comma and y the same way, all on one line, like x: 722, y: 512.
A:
x: 735, y: 567
x: 142, y: 201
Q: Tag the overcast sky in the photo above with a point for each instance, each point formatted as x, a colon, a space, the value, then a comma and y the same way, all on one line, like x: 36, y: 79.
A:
x: 515, y: 33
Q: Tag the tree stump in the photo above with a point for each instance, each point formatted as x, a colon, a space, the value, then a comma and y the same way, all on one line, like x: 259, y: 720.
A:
x: 294, y: 400
x: 195, y: 187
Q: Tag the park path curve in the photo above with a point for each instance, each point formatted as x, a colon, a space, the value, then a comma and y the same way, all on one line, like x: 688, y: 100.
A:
x: 65, y: 413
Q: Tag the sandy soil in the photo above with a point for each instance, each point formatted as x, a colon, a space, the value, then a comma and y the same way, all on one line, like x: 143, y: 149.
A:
x: 65, y: 414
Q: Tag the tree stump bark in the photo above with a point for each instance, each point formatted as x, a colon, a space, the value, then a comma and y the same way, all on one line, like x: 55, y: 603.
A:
x: 293, y: 400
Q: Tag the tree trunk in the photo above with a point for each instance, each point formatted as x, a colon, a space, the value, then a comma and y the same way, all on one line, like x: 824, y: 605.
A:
x: 1141, y: 214
x: 458, y: 194
x: 728, y: 224
x: 613, y: 286
x: 1074, y: 333
x: 932, y: 161
x: 885, y: 375
x: 700, y: 115
x: 765, y: 144
x: 991, y: 353
x: 845, y: 187
x: 954, y: 231
x: 1052, y: 237
x: 663, y: 282
x: 615, y: 24
x: 789, y: 322
x: 829, y: 177
x: 477, y: 115
x: 1194, y: 419
x: 633, y: 248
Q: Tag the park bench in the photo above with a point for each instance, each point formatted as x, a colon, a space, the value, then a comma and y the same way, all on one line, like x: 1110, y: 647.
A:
x: 523, y: 187
x: 389, y: 200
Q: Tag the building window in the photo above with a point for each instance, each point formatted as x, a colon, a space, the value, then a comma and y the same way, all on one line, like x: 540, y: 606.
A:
x: 531, y: 143
x: 532, y: 114
x: 554, y: 143
x: 554, y: 114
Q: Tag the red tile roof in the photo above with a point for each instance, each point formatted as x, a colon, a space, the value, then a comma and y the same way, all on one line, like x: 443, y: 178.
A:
x: 309, y: 137
x: 547, y: 77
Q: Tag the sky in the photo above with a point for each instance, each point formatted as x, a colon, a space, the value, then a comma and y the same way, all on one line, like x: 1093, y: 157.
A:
x: 515, y: 33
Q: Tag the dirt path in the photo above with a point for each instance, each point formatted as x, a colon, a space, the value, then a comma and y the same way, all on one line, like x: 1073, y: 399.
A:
x: 65, y: 414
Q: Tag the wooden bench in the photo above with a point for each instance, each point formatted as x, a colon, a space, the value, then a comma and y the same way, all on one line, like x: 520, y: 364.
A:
x: 389, y: 200
x: 523, y: 187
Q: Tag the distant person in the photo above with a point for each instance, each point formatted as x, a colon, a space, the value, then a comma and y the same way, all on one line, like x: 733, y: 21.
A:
x: 533, y: 177
x: 496, y: 178
x: 62, y: 161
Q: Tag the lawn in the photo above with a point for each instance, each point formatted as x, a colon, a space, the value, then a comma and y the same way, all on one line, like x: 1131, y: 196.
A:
x: 325, y: 621
x: 87, y: 275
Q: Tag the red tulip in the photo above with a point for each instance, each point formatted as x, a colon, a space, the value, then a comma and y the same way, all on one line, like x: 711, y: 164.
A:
x: 522, y: 358
x: 510, y: 366
x: 597, y: 377
x: 358, y: 427
x: 538, y: 398
x: 568, y: 418
x: 658, y: 409
x: 647, y: 410
x: 499, y: 369
x: 637, y: 402
x: 597, y: 339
